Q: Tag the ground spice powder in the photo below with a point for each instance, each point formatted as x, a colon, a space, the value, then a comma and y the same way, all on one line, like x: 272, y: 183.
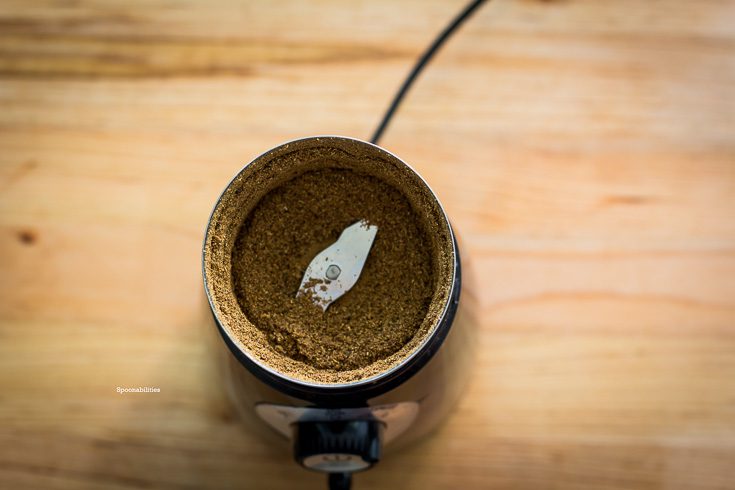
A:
x: 293, y: 223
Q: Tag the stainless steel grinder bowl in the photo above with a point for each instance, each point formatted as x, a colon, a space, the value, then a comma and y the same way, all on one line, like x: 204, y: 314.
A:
x: 339, y: 422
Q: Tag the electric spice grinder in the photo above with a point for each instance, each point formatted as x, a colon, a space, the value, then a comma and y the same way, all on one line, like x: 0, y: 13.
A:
x: 334, y: 278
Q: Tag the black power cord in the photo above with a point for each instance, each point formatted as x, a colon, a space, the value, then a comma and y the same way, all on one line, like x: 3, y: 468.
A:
x: 421, y: 63
x: 340, y: 481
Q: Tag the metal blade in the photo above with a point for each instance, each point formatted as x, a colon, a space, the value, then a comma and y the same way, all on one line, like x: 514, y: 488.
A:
x: 335, y: 270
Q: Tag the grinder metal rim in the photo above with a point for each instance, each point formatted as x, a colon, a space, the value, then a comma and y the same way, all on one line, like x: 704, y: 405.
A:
x: 360, y: 388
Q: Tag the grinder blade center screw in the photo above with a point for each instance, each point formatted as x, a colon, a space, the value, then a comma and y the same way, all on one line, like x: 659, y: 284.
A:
x: 333, y: 272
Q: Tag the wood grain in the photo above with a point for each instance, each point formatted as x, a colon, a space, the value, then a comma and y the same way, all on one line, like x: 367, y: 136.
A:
x: 584, y: 150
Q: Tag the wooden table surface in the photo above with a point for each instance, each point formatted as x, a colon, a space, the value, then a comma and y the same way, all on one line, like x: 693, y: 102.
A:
x: 585, y: 151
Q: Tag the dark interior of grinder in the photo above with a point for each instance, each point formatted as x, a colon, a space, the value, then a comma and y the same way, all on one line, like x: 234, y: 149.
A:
x: 270, y: 226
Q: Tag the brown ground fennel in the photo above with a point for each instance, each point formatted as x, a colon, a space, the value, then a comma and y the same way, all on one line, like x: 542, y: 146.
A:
x: 297, y: 220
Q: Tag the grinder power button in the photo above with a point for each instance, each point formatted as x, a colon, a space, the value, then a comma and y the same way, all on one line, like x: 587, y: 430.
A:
x: 337, y: 446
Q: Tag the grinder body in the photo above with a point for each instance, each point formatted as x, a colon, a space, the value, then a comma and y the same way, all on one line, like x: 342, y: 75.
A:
x: 344, y: 428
